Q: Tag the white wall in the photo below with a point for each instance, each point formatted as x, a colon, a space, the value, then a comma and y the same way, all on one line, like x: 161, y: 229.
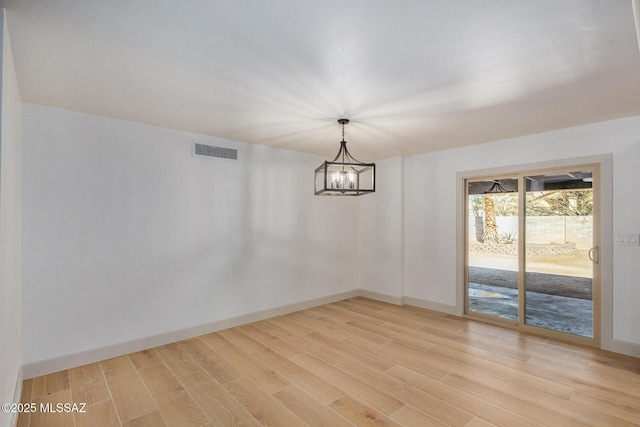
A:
x: 430, y: 219
x: 626, y: 259
x: 430, y: 229
x: 10, y: 227
x: 126, y: 235
x: 381, y: 234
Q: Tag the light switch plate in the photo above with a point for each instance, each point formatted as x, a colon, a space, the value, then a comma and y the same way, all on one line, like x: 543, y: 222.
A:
x: 628, y: 239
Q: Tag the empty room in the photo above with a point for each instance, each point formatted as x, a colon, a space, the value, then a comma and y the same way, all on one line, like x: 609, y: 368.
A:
x: 336, y: 213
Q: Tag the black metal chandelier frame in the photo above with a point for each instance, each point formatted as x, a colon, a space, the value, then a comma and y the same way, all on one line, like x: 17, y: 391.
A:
x: 345, y: 175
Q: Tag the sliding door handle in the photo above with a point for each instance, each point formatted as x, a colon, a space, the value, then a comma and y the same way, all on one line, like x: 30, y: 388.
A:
x: 594, y: 251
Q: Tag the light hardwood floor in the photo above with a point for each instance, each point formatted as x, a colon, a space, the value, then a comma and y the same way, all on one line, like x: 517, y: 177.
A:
x: 354, y: 362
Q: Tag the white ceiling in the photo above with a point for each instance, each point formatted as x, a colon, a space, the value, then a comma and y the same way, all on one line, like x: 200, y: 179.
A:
x: 413, y: 76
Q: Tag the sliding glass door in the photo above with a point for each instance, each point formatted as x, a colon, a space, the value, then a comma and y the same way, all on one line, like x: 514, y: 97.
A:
x: 560, y: 251
x: 532, y: 256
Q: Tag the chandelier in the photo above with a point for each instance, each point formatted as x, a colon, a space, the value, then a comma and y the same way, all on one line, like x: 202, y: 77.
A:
x: 344, y: 175
x: 496, y: 188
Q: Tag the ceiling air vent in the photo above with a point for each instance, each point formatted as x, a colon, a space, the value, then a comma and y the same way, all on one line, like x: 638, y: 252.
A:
x: 213, y: 151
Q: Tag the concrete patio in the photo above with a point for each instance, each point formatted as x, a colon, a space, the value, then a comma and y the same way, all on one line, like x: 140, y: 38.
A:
x: 554, y: 302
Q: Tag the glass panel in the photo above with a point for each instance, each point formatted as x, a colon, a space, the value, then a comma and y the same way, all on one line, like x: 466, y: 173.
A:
x: 559, y: 234
x: 492, y: 252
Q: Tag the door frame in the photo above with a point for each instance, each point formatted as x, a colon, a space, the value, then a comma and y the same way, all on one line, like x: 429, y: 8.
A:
x: 603, y: 276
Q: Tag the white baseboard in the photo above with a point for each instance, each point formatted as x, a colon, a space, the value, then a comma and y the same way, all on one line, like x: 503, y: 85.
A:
x: 391, y: 299
x: 48, y: 366
x: 430, y: 305
x: 623, y: 347
x: 35, y: 369
x: 17, y: 396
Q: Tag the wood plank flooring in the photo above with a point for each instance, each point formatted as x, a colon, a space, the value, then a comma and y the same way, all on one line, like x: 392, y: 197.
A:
x: 354, y: 362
